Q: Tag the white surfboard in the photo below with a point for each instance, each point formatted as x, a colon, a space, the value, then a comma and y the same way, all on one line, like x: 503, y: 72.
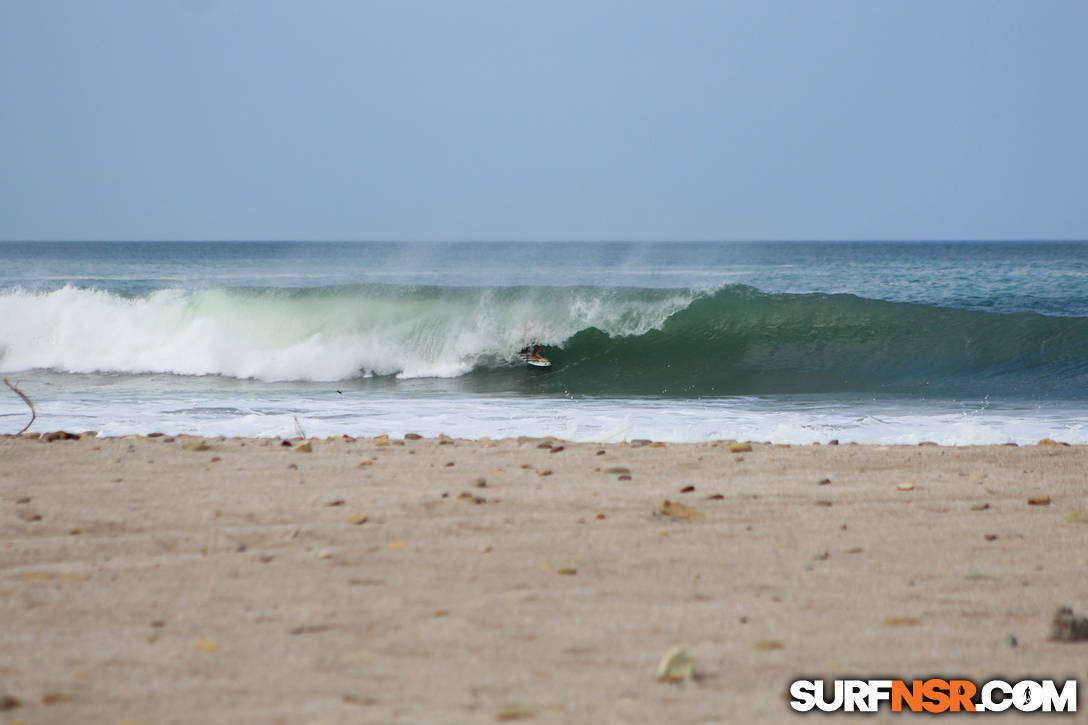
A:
x: 535, y: 360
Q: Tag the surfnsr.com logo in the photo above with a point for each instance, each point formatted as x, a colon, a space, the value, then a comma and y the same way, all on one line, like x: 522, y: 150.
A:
x: 933, y: 695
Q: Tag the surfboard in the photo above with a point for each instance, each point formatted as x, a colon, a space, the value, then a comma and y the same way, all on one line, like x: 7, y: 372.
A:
x: 535, y: 360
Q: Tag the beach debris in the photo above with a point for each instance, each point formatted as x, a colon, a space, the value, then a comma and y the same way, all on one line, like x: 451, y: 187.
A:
x: 640, y: 442
x: 196, y: 445
x: 285, y: 443
x: 1051, y: 442
x: 823, y: 482
x: 556, y: 449
x: 513, y: 714
x: 1066, y: 626
x: 412, y: 436
x: 678, y: 510
x: 1039, y: 500
x: 715, y: 497
x: 676, y: 666
x: 1077, y: 517
x: 744, y: 447
x: 767, y: 645
x: 52, y: 698
x: 358, y: 520
x: 566, y: 571
x: 59, y: 435
x: 21, y: 394
x: 899, y: 621
x: 687, y: 489
x: 905, y: 486
x: 206, y: 644
x: 617, y: 469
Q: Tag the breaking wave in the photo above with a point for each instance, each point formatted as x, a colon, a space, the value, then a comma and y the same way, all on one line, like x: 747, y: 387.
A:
x: 601, y: 340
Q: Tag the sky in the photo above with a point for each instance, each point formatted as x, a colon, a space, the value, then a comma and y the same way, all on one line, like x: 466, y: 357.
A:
x: 558, y: 120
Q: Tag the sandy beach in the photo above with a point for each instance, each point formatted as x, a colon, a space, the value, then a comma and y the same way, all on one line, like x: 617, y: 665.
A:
x: 183, y: 580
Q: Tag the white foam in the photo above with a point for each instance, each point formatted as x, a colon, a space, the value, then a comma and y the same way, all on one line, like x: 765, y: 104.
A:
x: 285, y: 335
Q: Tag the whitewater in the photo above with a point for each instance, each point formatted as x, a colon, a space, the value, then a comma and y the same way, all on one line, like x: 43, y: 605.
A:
x: 956, y: 343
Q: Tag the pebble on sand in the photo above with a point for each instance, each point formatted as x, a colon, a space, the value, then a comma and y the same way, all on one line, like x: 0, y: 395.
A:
x: 206, y: 644
x: 1039, y: 501
x: 1066, y: 626
x: 678, y: 510
x: 676, y: 666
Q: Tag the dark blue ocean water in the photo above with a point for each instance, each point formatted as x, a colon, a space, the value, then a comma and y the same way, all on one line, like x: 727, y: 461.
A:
x: 956, y: 342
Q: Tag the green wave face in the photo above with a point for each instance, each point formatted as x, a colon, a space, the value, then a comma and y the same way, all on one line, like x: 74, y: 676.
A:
x: 741, y: 341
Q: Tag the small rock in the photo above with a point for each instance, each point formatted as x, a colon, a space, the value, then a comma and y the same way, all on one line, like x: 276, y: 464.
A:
x: 617, y: 469
x: 676, y: 666
x: 1068, y: 627
x: 823, y: 482
x: 206, y: 644
x: 412, y: 436
x: 687, y: 489
x: 678, y: 510
x: 285, y: 444
x: 197, y: 445
x: 556, y: 449
x: 358, y: 520
x: 715, y: 497
x: 567, y: 571
x: 1039, y: 501
x: 480, y: 483
x: 52, y: 698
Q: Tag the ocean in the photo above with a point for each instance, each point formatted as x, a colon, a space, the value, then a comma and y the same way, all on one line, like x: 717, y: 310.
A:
x: 873, y: 342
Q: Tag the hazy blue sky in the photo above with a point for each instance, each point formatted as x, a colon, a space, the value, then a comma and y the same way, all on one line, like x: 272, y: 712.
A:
x: 341, y: 119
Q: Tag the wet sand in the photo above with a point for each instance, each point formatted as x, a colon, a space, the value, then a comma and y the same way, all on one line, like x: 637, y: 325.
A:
x: 142, y: 582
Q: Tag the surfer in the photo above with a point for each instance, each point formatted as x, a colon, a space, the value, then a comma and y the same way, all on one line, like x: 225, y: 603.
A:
x: 531, y: 354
